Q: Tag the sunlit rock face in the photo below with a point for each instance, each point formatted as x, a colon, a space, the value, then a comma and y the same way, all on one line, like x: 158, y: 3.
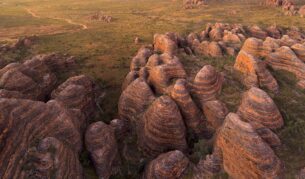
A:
x: 254, y: 72
x: 257, y: 106
x: 165, y: 44
x: 168, y: 165
x: 244, y: 153
x: 285, y: 59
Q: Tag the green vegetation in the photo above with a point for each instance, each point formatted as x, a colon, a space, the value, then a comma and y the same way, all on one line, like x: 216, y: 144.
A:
x: 104, y: 50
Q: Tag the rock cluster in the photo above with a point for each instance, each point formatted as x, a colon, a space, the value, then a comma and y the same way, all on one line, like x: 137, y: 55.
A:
x: 23, y: 42
x: 288, y: 6
x: 42, y: 139
x: 100, y: 16
x: 286, y: 54
x: 34, y: 79
x: 190, y: 4
x: 164, y: 103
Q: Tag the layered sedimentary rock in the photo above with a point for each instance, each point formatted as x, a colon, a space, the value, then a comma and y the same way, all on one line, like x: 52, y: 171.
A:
x: 266, y: 134
x: 215, y: 50
x: 274, y: 32
x: 165, y: 44
x: 257, y: 106
x: 215, y: 112
x: 36, y: 77
x: 121, y: 128
x: 162, y: 71
x: 140, y: 59
x: 169, y: 165
x: 32, y: 83
x: 162, y: 128
x: 285, y: 59
x: 207, y: 84
x: 77, y: 92
x: 208, y: 167
x: 257, y: 32
x: 244, y: 153
x: 101, y: 143
x: 135, y: 99
x: 299, y: 50
x: 254, y: 47
x: 39, y: 140
x: 192, y: 115
x: 254, y: 72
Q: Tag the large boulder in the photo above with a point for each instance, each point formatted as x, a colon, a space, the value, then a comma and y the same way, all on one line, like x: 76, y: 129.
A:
x: 244, y: 153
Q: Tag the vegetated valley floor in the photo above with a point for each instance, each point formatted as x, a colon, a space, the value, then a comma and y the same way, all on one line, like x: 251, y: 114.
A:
x: 104, y: 50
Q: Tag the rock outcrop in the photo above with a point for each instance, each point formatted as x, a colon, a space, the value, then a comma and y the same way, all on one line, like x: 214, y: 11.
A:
x: 101, y: 143
x: 207, y: 84
x: 169, y: 165
x: 285, y: 59
x: 215, y: 112
x: 244, y: 153
x: 254, y: 72
x: 135, y: 99
x: 192, y: 115
x: 39, y: 140
x: 162, y: 129
x: 165, y: 44
x: 257, y: 106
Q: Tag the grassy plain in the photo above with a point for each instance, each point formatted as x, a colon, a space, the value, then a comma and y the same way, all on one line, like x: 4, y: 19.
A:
x: 104, y: 50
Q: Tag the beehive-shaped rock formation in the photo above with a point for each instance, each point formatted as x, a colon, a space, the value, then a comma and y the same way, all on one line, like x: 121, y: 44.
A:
x: 207, y: 84
x: 257, y: 106
x: 192, y: 116
x: 140, y: 59
x: 285, y: 59
x: 167, y: 166
x: 135, y: 99
x: 101, y: 143
x: 215, y: 112
x: 254, y: 72
x: 31, y: 131
x: 162, y: 129
x: 162, y: 70
x: 77, y: 92
x: 165, y: 44
x: 299, y: 50
x: 254, y: 47
x: 244, y: 153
